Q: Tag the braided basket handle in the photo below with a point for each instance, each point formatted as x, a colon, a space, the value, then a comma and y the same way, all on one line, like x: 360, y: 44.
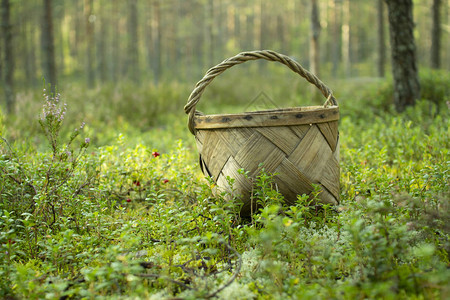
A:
x: 242, y: 57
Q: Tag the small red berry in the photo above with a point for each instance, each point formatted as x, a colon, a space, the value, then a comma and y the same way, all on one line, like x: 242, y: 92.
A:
x: 128, y: 200
x: 165, y: 180
x: 155, y: 154
x: 136, y: 182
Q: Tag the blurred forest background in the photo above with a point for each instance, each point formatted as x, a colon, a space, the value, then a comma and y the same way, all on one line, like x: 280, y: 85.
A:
x: 90, y: 44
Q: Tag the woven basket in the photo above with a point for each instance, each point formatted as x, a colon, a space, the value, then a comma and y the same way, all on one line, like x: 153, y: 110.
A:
x: 299, y: 145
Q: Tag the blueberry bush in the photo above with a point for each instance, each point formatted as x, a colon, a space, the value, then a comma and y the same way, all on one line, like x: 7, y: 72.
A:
x: 119, y: 210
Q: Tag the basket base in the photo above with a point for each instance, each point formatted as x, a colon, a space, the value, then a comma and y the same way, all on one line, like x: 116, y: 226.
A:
x: 250, y: 206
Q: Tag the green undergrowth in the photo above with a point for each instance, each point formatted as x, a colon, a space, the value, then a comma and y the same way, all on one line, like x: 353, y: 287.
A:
x: 113, y: 209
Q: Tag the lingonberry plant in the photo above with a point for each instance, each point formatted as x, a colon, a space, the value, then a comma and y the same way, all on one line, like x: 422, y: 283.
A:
x: 133, y: 217
x: 50, y: 191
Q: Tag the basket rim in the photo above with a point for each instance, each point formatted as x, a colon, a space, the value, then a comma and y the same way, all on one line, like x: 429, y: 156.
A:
x: 268, y: 118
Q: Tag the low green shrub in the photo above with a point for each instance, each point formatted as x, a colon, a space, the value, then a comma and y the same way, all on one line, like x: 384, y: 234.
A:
x: 377, y: 97
x: 135, y: 218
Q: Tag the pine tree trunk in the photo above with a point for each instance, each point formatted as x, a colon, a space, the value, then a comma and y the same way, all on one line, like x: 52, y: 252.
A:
x: 337, y: 27
x: 31, y: 60
x: 262, y: 25
x: 281, y: 33
x: 403, y: 53
x: 8, y: 56
x: 198, y: 50
x: 209, y: 33
x: 157, y: 41
x: 381, y: 40
x: 89, y: 18
x: 231, y: 26
x: 148, y: 34
x: 75, y: 31
x: 132, y: 51
x: 115, y: 61
x: 262, y: 32
x: 346, y: 37
x: 60, y: 39
x: 238, y: 29
x: 436, y: 35
x: 177, y: 44
x: 48, y: 47
x: 25, y: 47
x: 249, y: 32
x: 101, y: 47
x: 314, y: 54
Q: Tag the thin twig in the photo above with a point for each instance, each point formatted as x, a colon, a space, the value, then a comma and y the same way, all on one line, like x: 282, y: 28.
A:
x: 81, y: 187
x: 143, y: 275
x: 19, y: 167
x: 236, y: 272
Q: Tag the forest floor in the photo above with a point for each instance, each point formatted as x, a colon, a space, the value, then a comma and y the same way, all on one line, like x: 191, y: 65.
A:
x: 118, y: 208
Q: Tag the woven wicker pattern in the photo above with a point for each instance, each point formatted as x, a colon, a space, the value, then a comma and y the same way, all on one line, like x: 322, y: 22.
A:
x: 299, y: 145
x: 298, y: 155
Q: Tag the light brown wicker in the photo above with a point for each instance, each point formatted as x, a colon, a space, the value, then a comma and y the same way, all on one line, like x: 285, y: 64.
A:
x: 299, y: 145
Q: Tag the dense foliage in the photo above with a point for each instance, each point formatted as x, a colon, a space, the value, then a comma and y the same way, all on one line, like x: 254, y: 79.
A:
x: 112, y: 209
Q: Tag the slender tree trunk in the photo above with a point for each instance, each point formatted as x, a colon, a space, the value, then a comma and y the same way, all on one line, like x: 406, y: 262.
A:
x: 237, y: 30
x: 262, y: 34
x: 132, y: 51
x: 249, y: 31
x: 60, y: 39
x: 346, y: 37
x: 149, y: 36
x: 262, y: 23
x: 211, y: 38
x: 230, y: 25
x: 209, y: 33
x: 102, y: 34
x: 358, y: 41
x: 199, y: 49
x: 75, y: 31
x: 177, y: 44
x: 8, y: 56
x: 281, y: 33
x: 157, y: 41
x: 381, y: 39
x: 115, y: 49
x: 221, y: 25
x: 48, y: 47
x: 31, y: 60
x: 184, y: 49
x: 90, y: 19
x: 403, y: 53
x: 26, y: 49
x: 436, y: 35
x: 337, y: 27
x: 324, y: 9
x: 314, y: 50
